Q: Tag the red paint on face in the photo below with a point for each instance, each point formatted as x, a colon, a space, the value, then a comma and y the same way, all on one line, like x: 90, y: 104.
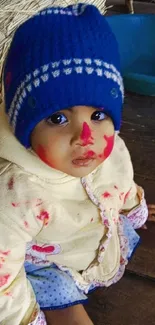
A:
x: 108, y: 149
x: 106, y: 195
x: 10, y: 183
x: 44, y: 216
x: 4, y: 279
x: 41, y: 152
x: 89, y: 154
x: 47, y: 249
x: 86, y: 135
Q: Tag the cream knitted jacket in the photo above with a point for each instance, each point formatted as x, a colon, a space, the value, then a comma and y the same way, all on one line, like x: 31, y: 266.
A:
x: 47, y: 216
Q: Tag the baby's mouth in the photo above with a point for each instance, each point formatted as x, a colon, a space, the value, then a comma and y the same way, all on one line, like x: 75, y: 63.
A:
x: 84, y: 160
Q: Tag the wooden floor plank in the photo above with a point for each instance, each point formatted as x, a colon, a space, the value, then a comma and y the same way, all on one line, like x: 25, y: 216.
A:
x: 129, y: 302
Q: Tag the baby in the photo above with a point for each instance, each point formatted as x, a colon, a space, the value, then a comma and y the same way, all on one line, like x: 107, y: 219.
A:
x: 69, y: 206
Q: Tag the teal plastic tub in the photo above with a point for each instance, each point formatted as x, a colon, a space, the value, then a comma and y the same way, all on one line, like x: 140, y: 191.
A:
x: 136, y: 39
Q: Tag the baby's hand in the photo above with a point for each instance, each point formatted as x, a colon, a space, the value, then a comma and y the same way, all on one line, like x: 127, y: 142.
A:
x: 151, y: 214
x: 151, y: 209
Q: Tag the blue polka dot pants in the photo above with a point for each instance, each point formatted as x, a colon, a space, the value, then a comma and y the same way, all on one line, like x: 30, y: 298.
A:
x: 54, y: 289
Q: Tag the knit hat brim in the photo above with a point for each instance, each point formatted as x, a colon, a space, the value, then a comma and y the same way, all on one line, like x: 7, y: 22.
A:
x: 88, y: 86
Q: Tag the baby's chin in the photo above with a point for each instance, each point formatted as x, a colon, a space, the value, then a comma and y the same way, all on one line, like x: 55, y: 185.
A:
x: 78, y: 170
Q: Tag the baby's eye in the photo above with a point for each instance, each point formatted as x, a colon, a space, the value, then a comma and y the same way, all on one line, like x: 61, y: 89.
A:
x: 98, y: 116
x: 57, y: 118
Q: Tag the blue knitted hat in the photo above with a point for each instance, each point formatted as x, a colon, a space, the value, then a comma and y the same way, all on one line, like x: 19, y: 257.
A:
x: 59, y: 58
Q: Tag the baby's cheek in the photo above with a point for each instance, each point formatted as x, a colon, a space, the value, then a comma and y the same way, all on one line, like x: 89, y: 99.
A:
x: 108, y: 148
x: 43, y: 154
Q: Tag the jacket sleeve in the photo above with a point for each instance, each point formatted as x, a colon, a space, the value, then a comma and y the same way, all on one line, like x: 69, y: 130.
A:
x: 135, y: 207
x: 18, y: 226
x: 17, y: 299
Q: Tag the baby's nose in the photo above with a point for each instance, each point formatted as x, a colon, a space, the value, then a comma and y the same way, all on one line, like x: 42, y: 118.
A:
x: 83, y: 136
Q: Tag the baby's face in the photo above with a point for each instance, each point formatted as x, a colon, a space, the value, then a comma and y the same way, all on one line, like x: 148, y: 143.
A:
x: 74, y: 141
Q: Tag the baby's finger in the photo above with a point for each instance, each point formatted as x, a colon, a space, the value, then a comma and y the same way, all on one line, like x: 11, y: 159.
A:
x: 151, y: 206
x: 151, y: 217
x: 144, y: 227
x: 151, y: 213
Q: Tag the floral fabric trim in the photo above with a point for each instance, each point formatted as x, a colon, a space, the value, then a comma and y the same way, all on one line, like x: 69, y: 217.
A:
x: 139, y: 215
x: 102, y: 247
x: 40, y: 320
x: 105, y: 221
